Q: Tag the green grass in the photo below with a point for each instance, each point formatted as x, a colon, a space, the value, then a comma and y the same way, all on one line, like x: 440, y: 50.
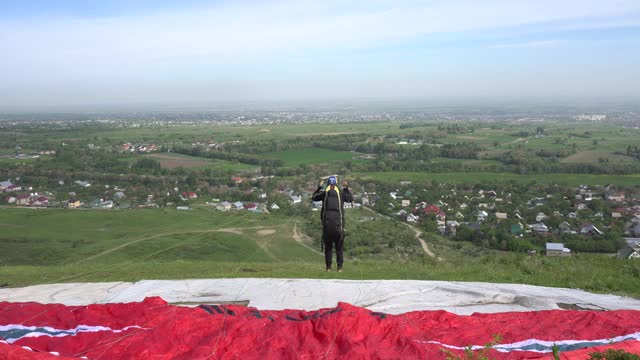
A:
x: 52, y: 246
x: 205, y: 132
x: 594, y: 273
x: 594, y: 156
x: 13, y: 160
x: 61, y: 237
x: 468, y: 162
x: 9, y: 161
x: 484, y: 137
x: 609, y: 138
x: 309, y: 156
x: 466, y: 177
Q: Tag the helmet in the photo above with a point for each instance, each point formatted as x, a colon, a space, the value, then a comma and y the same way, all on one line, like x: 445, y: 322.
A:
x: 332, y: 180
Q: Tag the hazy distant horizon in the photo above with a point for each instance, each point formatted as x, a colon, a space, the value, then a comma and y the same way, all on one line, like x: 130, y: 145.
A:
x: 73, y: 53
x: 540, y: 104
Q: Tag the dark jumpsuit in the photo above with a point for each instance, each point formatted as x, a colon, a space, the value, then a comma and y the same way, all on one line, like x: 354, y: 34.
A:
x: 332, y: 217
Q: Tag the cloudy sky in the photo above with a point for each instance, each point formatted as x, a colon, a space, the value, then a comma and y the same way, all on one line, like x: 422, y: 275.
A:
x: 151, y: 51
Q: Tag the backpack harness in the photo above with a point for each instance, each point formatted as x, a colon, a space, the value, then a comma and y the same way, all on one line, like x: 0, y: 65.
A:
x: 328, y: 189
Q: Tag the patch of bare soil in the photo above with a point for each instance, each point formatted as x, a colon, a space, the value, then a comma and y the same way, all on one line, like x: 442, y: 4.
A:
x: 172, y: 162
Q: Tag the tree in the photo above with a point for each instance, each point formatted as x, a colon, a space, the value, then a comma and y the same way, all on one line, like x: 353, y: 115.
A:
x: 146, y: 163
x: 463, y: 233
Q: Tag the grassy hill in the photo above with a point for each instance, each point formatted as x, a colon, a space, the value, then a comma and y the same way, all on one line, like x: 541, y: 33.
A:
x: 58, y: 237
x: 51, y: 246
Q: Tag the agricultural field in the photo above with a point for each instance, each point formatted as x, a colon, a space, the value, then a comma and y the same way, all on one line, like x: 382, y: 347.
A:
x: 173, y: 161
x: 470, y: 178
x: 600, y: 140
x: 11, y: 160
x: 595, y: 156
x: 177, y: 134
x: 294, y: 157
x: 466, y: 162
x: 498, y: 138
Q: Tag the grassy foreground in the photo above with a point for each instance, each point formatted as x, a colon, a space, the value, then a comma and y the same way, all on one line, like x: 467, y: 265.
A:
x: 588, y: 272
x: 53, y: 246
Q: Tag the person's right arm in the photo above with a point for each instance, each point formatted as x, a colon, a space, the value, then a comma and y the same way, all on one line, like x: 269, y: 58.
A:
x: 318, y: 195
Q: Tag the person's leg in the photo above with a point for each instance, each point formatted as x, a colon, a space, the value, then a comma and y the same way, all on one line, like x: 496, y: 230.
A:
x: 328, y: 249
x: 339, y: 246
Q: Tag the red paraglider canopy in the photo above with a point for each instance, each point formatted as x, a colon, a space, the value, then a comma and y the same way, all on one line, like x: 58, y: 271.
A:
x: 154, y: 329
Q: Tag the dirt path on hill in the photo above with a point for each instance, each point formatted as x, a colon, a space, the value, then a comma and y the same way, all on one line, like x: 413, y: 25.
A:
x: 425, y: 247
x: 234, y: 230
x: 263, y: 243
x: 302, y: 239
x: 423, y: 243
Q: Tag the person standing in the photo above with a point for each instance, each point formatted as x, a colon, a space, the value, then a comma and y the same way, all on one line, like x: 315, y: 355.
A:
x: 332, y: 217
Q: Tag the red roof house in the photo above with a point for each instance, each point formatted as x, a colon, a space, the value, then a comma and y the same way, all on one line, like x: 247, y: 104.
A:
x: 431, y: 209
x: 251, y: 206
x: 41, y: 201
x: 189, y: 195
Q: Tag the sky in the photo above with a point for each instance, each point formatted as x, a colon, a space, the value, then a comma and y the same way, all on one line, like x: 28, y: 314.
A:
x: 75, y: 52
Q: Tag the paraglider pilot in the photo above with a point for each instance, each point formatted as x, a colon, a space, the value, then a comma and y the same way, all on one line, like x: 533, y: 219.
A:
x: 332, y: 217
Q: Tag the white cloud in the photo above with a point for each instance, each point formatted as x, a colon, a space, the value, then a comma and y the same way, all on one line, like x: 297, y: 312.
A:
x: 253, y: 29
x: 126, y: 55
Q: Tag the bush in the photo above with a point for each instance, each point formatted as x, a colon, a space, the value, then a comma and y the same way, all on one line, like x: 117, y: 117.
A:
x: 146, y: 163
x: 613, y: 355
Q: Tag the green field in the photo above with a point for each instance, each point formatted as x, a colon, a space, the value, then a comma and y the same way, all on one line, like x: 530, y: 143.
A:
x: 494, y: 138
x: 201, y: 132
x: 466, y: 162
x: 294, y: 157
x: 464, y: 178
x: 173, y: 160
x: 594, y: 156
x: 602, y: 142
x: 13, y: 161
x: 52, y: 246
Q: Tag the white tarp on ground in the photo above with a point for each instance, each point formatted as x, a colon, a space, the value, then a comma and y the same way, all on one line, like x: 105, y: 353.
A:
x: 390, y: 296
